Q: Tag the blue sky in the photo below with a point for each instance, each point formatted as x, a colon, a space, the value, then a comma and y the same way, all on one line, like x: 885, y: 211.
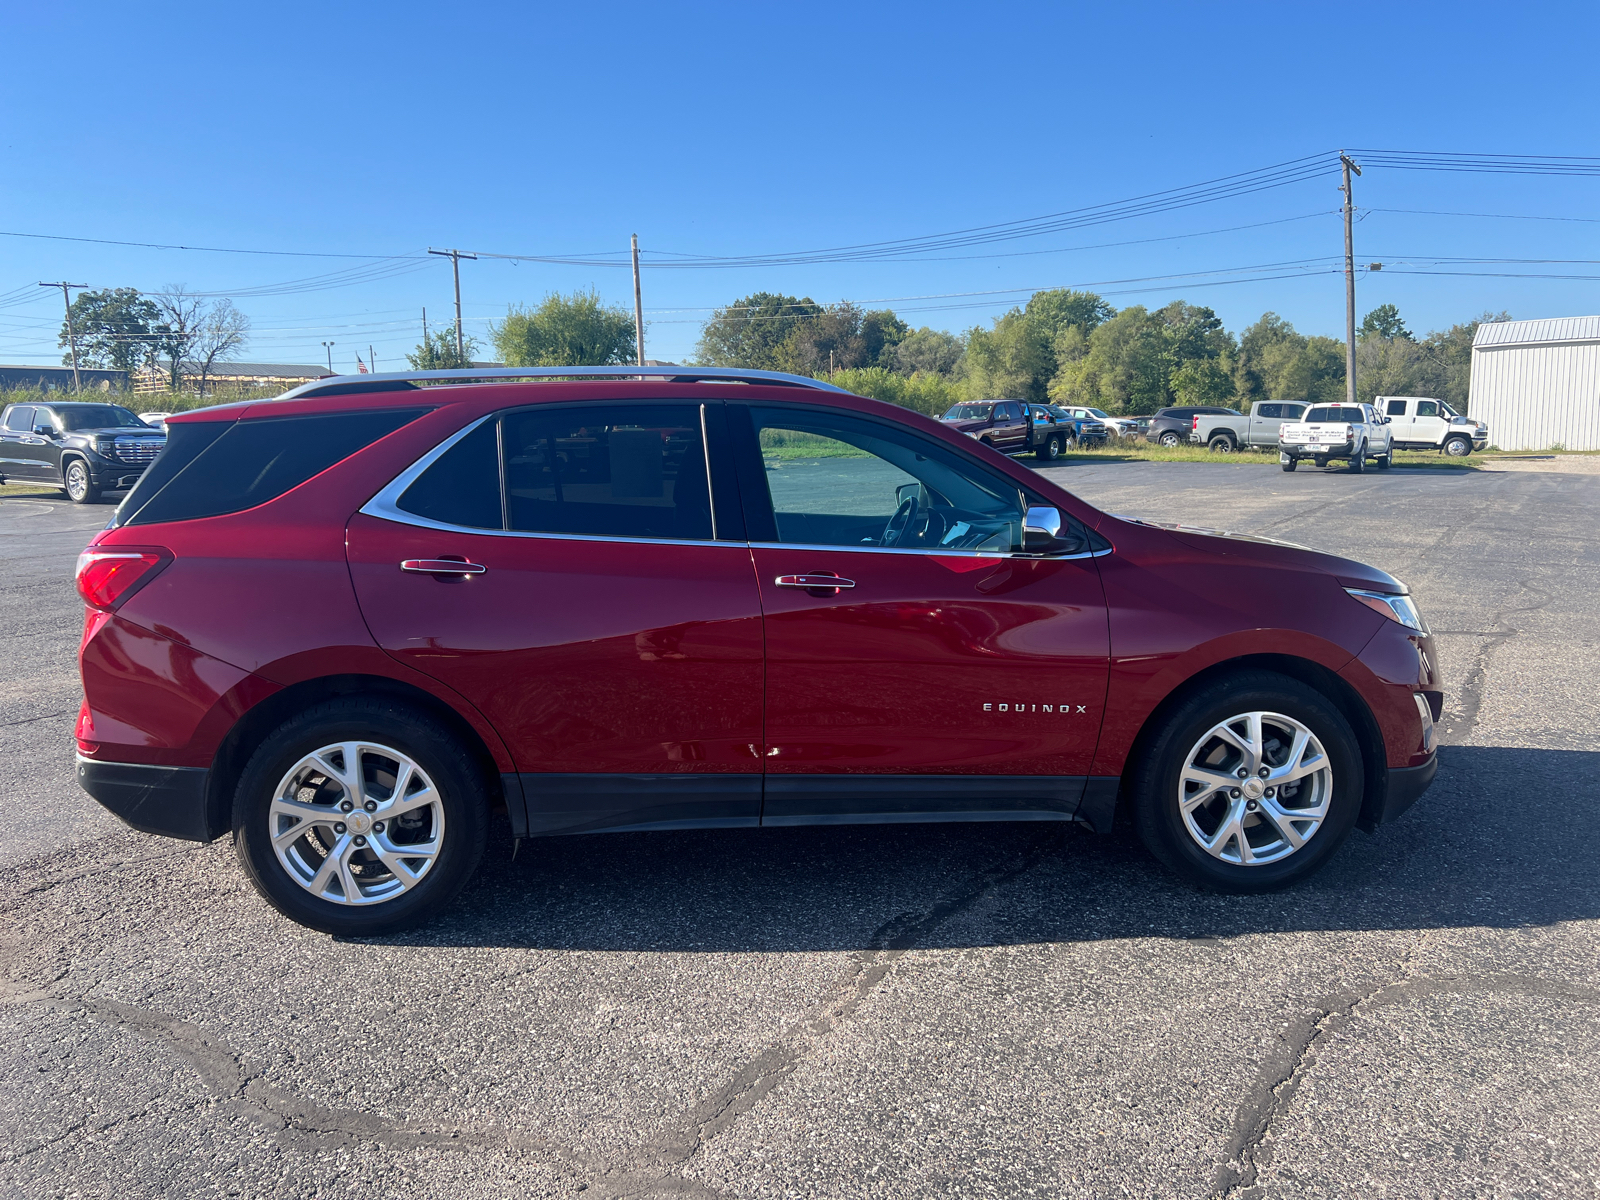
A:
x: 736, y: 130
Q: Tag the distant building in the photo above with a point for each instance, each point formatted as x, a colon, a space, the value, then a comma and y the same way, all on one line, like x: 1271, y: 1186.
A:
x: 231, y: 374
x: 1537, y: 383
x: 58, y: 378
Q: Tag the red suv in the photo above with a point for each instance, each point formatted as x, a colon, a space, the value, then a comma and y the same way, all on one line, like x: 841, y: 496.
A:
x: 350, y: 624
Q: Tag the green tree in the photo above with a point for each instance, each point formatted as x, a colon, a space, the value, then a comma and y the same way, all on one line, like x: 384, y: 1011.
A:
x: 115, y: 328
x: 1383, y: 321
x: 565, y: 331
x: 1015, y: 358
x: 752, y: 331
x: 1063, y: 308
x: 1276, y: 363
x: 1123, y: 365
x: 439, y: 352
x: 931, y: 395
x: 1201, y: 381
x: 1449, y: 354
x: 931, y: 351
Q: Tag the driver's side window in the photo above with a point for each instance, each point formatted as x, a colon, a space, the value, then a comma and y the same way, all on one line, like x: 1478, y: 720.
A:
x: 836, y: 480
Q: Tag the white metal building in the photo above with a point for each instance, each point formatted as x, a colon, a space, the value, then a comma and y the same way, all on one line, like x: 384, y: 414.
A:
x: 1537, y: 383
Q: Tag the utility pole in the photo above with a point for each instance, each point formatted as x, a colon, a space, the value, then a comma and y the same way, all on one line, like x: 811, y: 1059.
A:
x: 328, y: 346
x: 638, y: 304
x: 424, y: 326
x: 455, y: 257
x: 72, y: 335
x: 1349, y: 282
x: 372, y: 359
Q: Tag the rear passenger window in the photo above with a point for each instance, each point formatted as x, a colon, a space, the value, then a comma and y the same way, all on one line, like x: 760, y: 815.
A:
x: 623, y: 470
x: 20, y: 420
x: 1397, y: 408
x: 1271, y: 411
x: 462, y: 486
x: 249, y: 462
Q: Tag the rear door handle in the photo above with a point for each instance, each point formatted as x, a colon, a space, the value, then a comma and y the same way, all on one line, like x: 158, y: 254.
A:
x: 443, y: 566
x: 818, y: 583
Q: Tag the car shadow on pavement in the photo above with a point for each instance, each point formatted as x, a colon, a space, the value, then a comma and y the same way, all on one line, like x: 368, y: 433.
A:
x: 1505, y: 838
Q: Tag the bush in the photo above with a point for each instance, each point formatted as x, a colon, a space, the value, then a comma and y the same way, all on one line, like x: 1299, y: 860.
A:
x: 930, y: 395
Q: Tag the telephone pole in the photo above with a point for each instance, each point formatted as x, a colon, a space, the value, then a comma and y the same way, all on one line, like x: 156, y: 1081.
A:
x: 1349, y: 283
x: 328, y: 346
x: 72, y: 335
x: 638, y: 304
x: 455, y: 257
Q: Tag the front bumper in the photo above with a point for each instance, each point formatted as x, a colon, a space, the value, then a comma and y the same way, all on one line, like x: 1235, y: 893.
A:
x: 170, y: 801
x: 113, y: 474
x: 1404, y: 785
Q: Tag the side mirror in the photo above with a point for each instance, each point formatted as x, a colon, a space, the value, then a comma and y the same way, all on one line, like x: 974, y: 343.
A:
x: 1041, y: 531
x: 44, y: 430
x: 1388, y: 420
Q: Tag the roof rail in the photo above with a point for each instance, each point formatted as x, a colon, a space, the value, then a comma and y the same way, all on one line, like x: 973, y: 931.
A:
x: 336, y: 384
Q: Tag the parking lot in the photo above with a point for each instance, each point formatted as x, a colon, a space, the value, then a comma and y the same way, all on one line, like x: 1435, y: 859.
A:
x: 963, y: 1010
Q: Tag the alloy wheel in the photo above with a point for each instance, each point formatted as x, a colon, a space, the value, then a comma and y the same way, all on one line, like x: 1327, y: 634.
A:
x: 77, y: 480
x: 1255, y: 788
x: 356, y: 823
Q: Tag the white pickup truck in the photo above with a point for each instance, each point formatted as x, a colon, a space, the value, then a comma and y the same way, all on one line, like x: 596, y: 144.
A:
x: 1355, y: 432
x: 1422, y: 423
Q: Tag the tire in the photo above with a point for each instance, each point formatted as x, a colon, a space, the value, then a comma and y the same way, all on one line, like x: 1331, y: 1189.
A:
x: 1289, y: 464
x: 1385, y: 461
x: 1169, y: 439
x: 1051, y: 450
x: 1333, y: 790
x: 297, y: 880
x: 1358, y: 459
x: 79, y: 486
x: 1221, y: 444
x: 1458, y: 447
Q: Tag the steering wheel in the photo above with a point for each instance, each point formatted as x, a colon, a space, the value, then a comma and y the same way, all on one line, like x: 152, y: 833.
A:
x: 900, y: 523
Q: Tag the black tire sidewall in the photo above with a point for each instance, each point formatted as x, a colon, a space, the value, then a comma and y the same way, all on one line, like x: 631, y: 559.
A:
x: 1155, y: 783
x: 441, y: 756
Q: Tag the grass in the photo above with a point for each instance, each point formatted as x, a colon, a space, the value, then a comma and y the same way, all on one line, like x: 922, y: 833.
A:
x: 1138, y: 451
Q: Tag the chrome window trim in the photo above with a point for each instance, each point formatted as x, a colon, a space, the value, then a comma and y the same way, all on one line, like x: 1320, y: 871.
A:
x: 822, y: 548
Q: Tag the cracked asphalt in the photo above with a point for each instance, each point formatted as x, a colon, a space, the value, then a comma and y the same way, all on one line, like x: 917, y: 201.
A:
x: 900, y: 1011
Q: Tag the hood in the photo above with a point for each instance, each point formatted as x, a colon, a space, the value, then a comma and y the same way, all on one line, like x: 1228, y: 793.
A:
x: 117, y: 431
x: 1253, y: 548
x: 967, y: 423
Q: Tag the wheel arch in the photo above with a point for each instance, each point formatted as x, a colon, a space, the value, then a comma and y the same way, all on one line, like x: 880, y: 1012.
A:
x: 1344, y: 697
x: 272, y: 711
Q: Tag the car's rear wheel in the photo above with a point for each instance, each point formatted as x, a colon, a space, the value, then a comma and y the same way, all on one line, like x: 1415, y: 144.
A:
x: 360, y: 817
x: 1221, y: 444
x: 1169, y: 440
x: 79, y: 487
x: 1250, y: 785
x: 1050, y: 449
x: 1289, y: 464
x: 1358, y: 459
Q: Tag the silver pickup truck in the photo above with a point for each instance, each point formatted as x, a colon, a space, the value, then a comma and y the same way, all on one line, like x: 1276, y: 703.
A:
x: 1259, y: 427
x: 1353, y: 432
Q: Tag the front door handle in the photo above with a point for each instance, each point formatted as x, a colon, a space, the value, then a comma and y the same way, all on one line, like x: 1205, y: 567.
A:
x: 443, y: 566
x: 817, y: 583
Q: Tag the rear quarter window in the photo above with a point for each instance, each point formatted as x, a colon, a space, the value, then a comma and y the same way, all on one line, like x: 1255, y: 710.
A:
x: 213, y: 468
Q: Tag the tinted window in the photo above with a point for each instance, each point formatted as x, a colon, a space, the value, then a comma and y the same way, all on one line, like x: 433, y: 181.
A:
x: 251, y: 462
x: 1270, y: 411
x: 98, y: 416
x: 1009, y: 412
x: 969, y: 412
x: 1427, y: 408
x: 20, y: 419
x: 1333, y: 415
x: 1397, y: 408
x: 632, y: 470
x: 1293, y: 412
x: 462, y: 487
x: 836, y: 480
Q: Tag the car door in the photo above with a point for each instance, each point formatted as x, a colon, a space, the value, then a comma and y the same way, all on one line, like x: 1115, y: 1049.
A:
x: 1399, y: 414
x: 943, y: 676
x: 18, y: 421
x: 39, y: 450
x: 1428, y: 425
x: 610, y: 628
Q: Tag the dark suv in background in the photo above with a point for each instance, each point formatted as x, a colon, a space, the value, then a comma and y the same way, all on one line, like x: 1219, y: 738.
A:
x: 1170, y: 426
x: 81, y: 448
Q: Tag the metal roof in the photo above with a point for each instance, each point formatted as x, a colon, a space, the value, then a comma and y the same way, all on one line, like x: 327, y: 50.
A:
x: 1545, y: 331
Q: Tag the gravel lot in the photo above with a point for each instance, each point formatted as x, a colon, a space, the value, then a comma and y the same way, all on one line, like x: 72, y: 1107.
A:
x: 936, y: 1011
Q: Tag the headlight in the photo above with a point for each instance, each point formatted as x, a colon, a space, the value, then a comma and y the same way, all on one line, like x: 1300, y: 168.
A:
x: 1396, y: 608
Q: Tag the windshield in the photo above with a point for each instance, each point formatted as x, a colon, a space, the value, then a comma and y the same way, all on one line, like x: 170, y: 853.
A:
x: 1095, y: 412
x: 1448, y: 411
x: 1332, y: 414
x: 968, y: 412
x: 99, y: 416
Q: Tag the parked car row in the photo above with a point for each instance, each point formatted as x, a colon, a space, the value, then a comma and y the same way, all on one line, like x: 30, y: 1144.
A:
x: 1018, y: 427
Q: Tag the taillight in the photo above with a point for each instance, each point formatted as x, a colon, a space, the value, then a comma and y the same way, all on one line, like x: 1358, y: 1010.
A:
x: 1194, y: 422
x: 108, y: 575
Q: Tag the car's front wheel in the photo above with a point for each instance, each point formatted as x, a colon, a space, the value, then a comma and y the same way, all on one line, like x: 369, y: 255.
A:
x: 1249, y: 785
x: 1458, y: 447
x: 360, y: 817
x: 80, y: 486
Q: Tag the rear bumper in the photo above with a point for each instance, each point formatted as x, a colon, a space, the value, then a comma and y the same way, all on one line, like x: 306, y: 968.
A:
x: 1299, y: 450
x: 1405, y: 784
x: 170, y: 801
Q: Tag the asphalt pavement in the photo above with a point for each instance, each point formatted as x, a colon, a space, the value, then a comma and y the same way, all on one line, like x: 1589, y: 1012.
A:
x: 898, y: 1011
